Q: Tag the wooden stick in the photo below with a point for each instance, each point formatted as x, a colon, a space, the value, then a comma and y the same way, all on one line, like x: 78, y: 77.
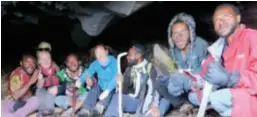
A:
x: 206, y: 93
x: 120, y: 83
x: 74, y: 101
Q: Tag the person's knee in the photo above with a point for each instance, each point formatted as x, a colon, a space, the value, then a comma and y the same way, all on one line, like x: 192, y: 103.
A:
x: 5, y: 102
x: 164, y: 102
x: 220, y: 97
x: 6, y: 105
x: 221, y: 102
x: 61, y: 101
x: 174, y: 90
x: 192, y: 97
x: 35, y: 101
x: 115, y: 96
x: 114, y: 99
x: 7, y: 114
x: 82, y: 97
x: 215, y: 99
x: 105, y: 102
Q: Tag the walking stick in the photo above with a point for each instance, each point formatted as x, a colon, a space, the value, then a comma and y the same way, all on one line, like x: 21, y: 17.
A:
x: 74, y: 101
x: 120, y: 83
x: 206, y: 93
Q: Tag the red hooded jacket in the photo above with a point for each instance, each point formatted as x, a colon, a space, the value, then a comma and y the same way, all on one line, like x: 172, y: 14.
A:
x: 241, y: 55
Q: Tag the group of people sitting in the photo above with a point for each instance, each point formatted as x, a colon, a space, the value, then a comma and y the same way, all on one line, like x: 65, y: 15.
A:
x: 230, y: 64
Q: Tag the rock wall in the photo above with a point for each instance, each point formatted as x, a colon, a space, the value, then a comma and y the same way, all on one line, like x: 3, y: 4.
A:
x: 249, y: 14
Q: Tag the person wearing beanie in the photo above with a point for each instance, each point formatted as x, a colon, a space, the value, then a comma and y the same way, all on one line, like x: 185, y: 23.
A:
x: 139, y: 94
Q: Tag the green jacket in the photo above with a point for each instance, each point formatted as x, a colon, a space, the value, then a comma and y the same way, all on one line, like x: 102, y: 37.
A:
x: 65, y: 79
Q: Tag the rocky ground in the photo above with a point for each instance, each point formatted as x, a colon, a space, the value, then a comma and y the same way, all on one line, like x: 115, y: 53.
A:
x: 187, y: 110
x: 4, y: 84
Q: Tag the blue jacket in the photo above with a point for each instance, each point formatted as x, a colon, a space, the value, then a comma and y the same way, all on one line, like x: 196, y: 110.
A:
x: 196, y: 53
x: 106, y: 74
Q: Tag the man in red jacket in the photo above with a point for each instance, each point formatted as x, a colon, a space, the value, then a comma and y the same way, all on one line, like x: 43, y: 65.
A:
x: 232, y: 65
x: 21, y: 103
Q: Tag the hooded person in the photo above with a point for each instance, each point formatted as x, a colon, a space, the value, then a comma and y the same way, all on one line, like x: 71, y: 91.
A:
x: 188, y: 51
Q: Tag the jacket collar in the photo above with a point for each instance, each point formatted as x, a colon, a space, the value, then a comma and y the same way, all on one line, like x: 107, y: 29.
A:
x: 216, y: 49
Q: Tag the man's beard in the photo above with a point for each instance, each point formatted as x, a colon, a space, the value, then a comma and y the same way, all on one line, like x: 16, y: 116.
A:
x: 231, y: 31
x: 25, y: 70
x: 132, y: 62
x: 77, y: 69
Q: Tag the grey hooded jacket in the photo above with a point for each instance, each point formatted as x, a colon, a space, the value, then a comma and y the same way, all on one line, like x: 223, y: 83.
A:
x: 198, y: 49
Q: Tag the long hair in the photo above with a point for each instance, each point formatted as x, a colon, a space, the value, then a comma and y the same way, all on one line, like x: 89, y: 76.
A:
x: 110, y: 50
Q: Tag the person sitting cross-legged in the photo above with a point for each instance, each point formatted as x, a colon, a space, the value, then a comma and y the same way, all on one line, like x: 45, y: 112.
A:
x: 188, y: 51
x: 47, y: 83
x: 68, y: 78
x: 21, y: 103
x: 139, y: 95
x: 100, y: 93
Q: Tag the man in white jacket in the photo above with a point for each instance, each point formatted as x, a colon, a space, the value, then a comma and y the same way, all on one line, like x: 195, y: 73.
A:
x: 139, y: 94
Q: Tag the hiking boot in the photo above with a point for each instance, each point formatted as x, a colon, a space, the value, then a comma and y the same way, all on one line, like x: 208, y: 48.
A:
x: 99, y: 109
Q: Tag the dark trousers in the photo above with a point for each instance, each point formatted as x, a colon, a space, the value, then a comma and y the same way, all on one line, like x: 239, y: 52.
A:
x: 92, y: 98
x: 46, y: 99
x: 162, y: 88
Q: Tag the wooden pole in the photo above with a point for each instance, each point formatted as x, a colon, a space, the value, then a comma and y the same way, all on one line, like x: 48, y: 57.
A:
x: 120, y: 83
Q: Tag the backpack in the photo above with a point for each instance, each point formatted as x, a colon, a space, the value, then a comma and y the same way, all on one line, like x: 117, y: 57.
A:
x: 144, y: 88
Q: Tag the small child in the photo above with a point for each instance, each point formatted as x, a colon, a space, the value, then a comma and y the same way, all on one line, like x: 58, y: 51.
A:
x: 47, y: 83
